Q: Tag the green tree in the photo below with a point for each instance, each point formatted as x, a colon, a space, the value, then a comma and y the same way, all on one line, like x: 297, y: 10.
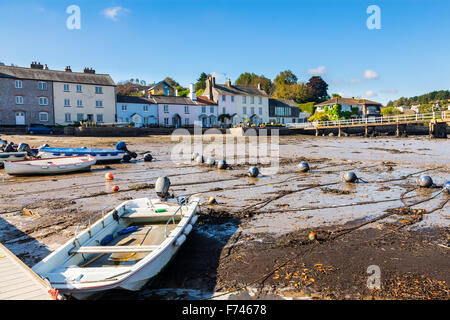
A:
x: 252, y: 79
x: 318, y: 88
x: 201, y: 82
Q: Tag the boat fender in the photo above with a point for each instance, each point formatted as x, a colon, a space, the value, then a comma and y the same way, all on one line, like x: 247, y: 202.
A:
x: 303, y: 166
x: 180, y: 240
x: 126, y: 158
x: 127, y: 230
x: 107, y: 239
x: 194, y: 220
x: 188, y: 229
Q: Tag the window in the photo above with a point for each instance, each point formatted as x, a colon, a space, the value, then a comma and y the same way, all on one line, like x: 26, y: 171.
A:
x: 80, y: 116
x: 66, y: 87
x: 43, y: 116
x: 232, y: 98
x: 166, y: 109
x: 43, y: 101
x: 203, y: 109
x: 224, y: 98
x: 98, y: 90
x: 124, y: 107
x: 66, y: 102
x: 252, y: 100
x: 186, y: 109
x: 68, y: 117
x: 244, y: 99
x: 79, y: 88
x: 186, y: 121
x: 224, y: 110
x: 19, y: 100
x: 211, y: 109
x: 145, y: 108
x: 252, y: 110
x: 99, y: 118
x: 259, y: 100
x: 166, y: 121
x: 42, y: 85
x: 260, y: 111
x: 99, y: 104
x: 80, y: 103
x: 18, y: 84
x: 244, y: 110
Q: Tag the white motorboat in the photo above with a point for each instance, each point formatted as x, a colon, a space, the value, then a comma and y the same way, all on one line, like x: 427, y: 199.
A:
x: 49, y: 166
x: 124, y: 249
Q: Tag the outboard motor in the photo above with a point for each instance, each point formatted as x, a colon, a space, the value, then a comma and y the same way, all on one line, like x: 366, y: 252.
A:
x: 3, y: 143
x: 350, y: 177
x: 222, y: 164
x: 303, y: 166
x: 425, y: 181
x: 10, y: 147
x: 162, y: 186
x: 446, y: 187
x: 122, y: 146
x: 253, y: 172
x: 26, y: 148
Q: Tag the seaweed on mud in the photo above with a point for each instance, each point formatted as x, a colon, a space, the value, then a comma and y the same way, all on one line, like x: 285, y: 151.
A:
x: 336, y: 191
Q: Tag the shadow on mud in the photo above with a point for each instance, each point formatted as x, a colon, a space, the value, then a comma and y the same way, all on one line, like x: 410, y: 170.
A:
x: 192, y: 274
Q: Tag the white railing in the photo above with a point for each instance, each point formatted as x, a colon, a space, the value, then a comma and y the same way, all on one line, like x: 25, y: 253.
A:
x: 387, y: 120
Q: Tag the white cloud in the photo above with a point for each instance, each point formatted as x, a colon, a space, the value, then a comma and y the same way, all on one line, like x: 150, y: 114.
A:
x: 370, y: 94
x: 318, y: 71
x: 390, y: 91
x: 113, y: 12
x: 353, y: 81
x: 370, y: 74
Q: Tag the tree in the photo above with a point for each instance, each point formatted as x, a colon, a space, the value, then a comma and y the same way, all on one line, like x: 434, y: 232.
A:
x: 252, y: 79
x: 335, y: 95
x: 201, y: 82
x: 285, y: 77
x: 318, y: 88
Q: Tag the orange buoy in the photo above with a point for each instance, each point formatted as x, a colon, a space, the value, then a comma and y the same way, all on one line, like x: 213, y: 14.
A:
x: 109, y: 176
x: 312, y: 236
x: 115, y: 188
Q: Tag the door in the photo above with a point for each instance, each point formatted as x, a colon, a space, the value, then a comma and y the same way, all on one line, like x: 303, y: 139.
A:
x: 20, y: 118
x: 90, y: 117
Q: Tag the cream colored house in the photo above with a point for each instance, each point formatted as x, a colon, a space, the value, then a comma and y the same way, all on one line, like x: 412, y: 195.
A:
x: 83, y: 96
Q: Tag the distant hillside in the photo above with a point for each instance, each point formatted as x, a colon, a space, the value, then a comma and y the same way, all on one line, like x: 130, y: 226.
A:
x: 442, y: 95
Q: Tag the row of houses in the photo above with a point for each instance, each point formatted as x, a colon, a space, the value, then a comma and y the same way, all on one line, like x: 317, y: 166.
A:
x: 38, y: 95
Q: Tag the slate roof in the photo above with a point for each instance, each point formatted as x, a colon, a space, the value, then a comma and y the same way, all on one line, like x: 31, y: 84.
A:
x: 223, y: 89
x: 56, y: 76
x: 274, y: 103
x: 133, y: 99
x: 347, y: 101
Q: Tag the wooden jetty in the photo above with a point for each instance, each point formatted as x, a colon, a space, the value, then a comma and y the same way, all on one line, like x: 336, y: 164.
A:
x: 437, y: 123
x: 18, y: 281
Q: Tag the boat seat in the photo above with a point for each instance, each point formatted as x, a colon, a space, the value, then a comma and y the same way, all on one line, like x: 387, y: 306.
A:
x: 149, y: 215
x: 113, y: 249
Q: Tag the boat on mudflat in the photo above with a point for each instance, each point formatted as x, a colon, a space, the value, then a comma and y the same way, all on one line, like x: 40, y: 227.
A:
x: 49, y: 166
x: 11, y: 156
x: 102, y: 155
x: 124, y: 249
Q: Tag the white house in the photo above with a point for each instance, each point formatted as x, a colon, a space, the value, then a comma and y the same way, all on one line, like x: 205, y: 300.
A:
x: 175, y: 111
x: 140, y: 111
x: 80, y: 96
x: 241, y: 103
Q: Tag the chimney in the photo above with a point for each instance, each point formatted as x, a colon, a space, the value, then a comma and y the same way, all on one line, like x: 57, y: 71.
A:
x: 176, y: 92
x: 67, y: 69
x: 192, y: 95
x: 210, y: 82
x: 228, y: 83
x: 89, y: 70
x: 259, y: 86
x: 213, y: 82
x: 35, y: 65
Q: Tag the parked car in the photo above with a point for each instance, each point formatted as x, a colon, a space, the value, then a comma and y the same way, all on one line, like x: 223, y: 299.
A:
x: 40, y: 128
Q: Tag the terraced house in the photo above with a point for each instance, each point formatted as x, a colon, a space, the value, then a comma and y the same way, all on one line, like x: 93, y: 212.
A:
x: 240, y: 103
x: 40, y: 95
x: 26, y: 96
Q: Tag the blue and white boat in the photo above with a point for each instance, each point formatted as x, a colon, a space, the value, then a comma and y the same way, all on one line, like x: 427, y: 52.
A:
x: 11, y: 156
x: 102, y: 155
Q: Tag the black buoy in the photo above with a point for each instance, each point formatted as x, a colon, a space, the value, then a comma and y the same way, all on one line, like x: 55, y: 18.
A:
x: 303, y: 166
x: 425, y: 181
x: 222, y: 164
x: 350, y: 177
x: 126, y: 158
x: 253, y: 172
x: 148, y: 157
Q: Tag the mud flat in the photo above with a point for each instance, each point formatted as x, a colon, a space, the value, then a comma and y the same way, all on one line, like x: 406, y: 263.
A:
x: 254, y: 242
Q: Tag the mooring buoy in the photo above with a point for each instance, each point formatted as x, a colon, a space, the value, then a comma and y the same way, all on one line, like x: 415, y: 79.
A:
x: 148, y: 157
x: 210, y: 161
x: 303, y: 166
x: 199, y: 159
x: 253, y: 172
x: 350, y: 176
x: 222, y: 164
x: 447, y: 187
x: 425, y: 181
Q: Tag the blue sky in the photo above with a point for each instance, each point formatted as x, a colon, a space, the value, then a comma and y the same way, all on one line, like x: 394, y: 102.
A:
x: 153, y: 39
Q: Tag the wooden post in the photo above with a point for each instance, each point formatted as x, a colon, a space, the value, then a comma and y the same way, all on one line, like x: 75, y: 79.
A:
x: 339, y: 131
x: 397, y: 132
x: 317, y: 132
x: 366, y: 130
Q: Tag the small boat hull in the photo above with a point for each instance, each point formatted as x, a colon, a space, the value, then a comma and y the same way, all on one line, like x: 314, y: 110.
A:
x: 49, y: 166
x: 81, y: 268
x: 102, y: 155
x: 11, y: 156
